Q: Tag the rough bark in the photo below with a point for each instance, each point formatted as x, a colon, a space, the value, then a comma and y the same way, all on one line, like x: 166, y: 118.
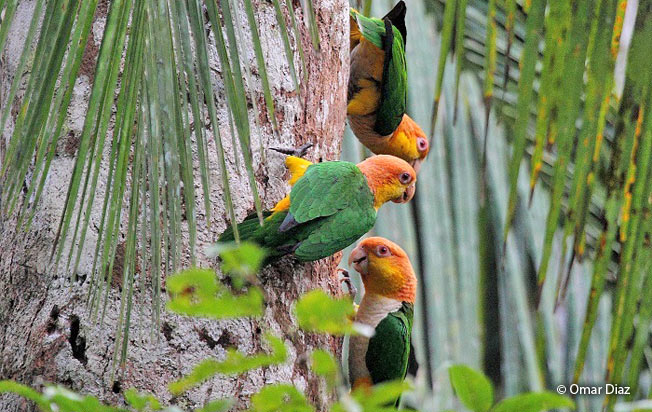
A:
x: 46, y: 334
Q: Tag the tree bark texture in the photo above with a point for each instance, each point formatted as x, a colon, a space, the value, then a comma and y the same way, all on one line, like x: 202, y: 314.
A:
x: 46, y: 332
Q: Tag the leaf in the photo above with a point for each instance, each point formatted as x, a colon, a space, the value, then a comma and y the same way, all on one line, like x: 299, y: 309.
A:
x: 490, y: 69
x: 7, y: 18
x: 235, y: 91
x: 24, y: 55
x: 316, y: 311
x: 68, y: 401
x: 381, y: 394
x: 534, y: 402
x: 180, y: 17
x: 510, y: 11
x: 573, y: 86
x: 242, y: 259
x: 623, y: 144
x: 309, y: 10
x: 628, y: 290
x: 220, y: 405
x: 644, y: 320
x: 297, y: 37
x: 323, y: 364
x: 289, y: 54
x: 235, y: 363
x: 196, y: 292
x: 528, y: 63
x: 459, y: 50
x: 24, y: 391
x: 556, y: 22
x: 140, y: 401
x: 280, y: 398
x: 472, y: 388
x: 262, y: 69
x: 590, y: 137
x: 201, y: 46
x: 446, y: 37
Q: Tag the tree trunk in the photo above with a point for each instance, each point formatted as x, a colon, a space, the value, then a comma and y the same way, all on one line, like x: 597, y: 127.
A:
x: 46, y: 332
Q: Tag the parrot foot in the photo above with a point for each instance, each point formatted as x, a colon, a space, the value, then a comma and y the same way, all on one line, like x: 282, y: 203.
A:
x: 345, y: 278
x: 297, y: 152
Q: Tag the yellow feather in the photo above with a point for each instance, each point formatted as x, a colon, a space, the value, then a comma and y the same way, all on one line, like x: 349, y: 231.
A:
x: 297, y: 167
x: 365, y: 101
x: 355, y: 35
x: 283, y: 204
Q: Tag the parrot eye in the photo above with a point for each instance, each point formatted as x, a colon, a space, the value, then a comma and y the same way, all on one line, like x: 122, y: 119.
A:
x: 422, y: 144
x: 383, y: 251
x: 405, y: 178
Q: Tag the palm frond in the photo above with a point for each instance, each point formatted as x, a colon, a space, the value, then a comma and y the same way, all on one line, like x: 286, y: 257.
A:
x: 152, y: 89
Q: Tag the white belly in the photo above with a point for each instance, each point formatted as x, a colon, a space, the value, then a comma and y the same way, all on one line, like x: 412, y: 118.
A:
x: 372, y: 310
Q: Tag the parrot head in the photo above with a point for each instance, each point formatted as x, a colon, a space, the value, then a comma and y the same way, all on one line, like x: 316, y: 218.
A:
x: 409, y: 142
x: 389, y: 178
x: 385, y: 269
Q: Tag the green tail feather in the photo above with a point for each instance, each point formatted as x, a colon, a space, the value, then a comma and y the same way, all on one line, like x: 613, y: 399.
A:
x: 266, y: 236
x: 247, y: 228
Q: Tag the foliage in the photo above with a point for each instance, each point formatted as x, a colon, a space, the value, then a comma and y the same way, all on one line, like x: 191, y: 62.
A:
x: 152, y: 106
x: 57, y: 398
x: 280, y: 398
x: 475, y: 392
x: 318, y: 312
x: 197, y: 292
x: 140, y: 401
x: 235, y: 363
x: 323, y: 364
x: 240, y: 261
x: 584, y: 203
x: 534, y: 402
x: 584, y: 138
x: 377, y: 399
x: 472, y: 388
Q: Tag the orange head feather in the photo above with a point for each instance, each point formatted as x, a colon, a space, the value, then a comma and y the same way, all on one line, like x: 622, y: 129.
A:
x: 389, y: 178
x: 409, y: 142
x: 385, y: 269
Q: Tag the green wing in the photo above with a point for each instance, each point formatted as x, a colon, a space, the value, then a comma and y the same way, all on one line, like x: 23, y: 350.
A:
x: 333, y: 207
x: 393, y: 87
x: 337, y: 231
x: 389, y: 349
x: 372, y: 29
x: 326, y: 188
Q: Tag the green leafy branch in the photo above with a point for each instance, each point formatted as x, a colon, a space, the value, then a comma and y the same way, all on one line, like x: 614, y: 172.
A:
x: 196, y: 292
x: 235, y: 363
x: 475, y: 392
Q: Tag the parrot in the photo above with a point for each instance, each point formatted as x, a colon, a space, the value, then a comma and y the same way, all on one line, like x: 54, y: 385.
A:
x: 330, y: 206
x: 377, y: 89
x: 387, y: 306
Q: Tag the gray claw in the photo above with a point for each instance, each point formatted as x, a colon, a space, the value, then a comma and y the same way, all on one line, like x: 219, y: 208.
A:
x: 346, y: 279
x: 298, y: 152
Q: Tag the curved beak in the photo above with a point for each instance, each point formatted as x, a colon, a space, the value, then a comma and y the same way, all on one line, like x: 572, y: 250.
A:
x: 408, y: 194
x: 359, y: 260
x: 416, y: 165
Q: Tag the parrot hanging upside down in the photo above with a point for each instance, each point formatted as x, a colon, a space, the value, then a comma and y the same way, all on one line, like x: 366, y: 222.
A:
x: 330, y: 206
x: 387, y: 306
x: 377, y: 91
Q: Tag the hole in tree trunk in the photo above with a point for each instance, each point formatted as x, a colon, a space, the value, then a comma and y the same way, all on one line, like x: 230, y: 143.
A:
x: 77, y: 343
